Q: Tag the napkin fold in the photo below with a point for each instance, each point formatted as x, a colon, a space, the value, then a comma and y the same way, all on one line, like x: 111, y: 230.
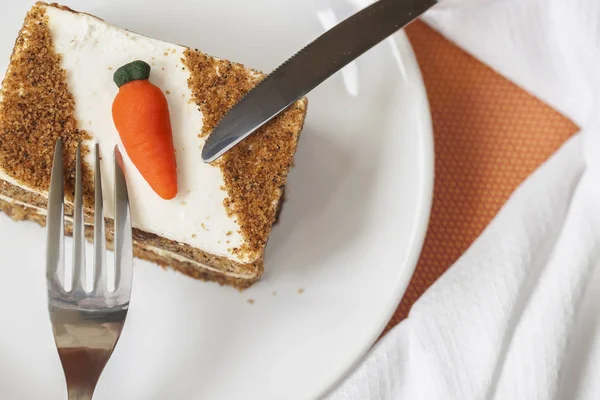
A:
x: 518, y: 315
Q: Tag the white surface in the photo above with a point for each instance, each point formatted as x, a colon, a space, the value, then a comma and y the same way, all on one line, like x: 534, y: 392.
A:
x: 350, y: 232
x: 518, y: 316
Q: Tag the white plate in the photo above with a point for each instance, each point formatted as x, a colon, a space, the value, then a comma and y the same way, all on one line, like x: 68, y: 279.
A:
x: 350, y: 234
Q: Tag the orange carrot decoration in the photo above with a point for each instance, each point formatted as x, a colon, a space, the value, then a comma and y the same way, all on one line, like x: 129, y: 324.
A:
x: 141, y: 116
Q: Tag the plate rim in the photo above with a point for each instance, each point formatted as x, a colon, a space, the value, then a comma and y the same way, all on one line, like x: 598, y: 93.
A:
x: 404, y: 46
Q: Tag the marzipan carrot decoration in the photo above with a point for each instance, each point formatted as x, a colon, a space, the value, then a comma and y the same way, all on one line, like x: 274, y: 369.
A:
x: 141, y: 116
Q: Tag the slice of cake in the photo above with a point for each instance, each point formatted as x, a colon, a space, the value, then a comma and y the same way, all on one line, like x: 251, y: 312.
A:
x: 59, y: 84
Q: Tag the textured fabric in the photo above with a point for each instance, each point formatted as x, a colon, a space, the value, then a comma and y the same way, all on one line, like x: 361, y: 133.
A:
x: 489, y: 136
x: 517, y: 316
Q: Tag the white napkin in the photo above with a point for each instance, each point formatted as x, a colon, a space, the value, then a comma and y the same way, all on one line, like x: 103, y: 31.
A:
x: 518, y: 315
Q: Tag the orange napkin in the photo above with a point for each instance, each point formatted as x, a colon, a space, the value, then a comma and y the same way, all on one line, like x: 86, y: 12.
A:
x: 489, y: 136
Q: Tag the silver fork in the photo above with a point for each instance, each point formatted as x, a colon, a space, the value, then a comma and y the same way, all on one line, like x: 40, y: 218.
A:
x: 87, y: 324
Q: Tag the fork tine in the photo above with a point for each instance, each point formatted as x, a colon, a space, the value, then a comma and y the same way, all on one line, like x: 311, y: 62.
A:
x: 55, y: 247
x: 122, y: 238
x: 78, y: 230
x: 100, y: 281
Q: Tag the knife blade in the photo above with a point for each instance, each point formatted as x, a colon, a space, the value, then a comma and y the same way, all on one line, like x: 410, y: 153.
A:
x: 308, y: 68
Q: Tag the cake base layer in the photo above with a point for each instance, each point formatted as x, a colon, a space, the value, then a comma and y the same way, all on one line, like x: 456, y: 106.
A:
x: 143, y: 247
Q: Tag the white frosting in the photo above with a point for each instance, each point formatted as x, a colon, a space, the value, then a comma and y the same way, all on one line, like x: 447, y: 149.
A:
x: 91, y: 51
x: 179, y: 257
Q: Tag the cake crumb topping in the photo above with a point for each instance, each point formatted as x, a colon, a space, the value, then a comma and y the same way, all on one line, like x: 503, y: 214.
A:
x: 37, y: 109
x: 255, y: 170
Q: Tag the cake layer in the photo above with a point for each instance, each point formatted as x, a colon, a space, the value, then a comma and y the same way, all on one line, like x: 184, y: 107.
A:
x: 59, y: 84
x: 197, y: 265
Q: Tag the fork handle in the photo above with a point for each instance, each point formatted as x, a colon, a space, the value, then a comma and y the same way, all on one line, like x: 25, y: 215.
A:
x: 79, y: 393
x: 82, y: 367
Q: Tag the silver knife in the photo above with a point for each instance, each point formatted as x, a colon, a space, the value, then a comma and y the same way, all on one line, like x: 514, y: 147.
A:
x: 308, y: 68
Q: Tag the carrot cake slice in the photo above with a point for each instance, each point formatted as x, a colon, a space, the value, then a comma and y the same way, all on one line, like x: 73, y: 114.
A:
x: 214, y: 220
